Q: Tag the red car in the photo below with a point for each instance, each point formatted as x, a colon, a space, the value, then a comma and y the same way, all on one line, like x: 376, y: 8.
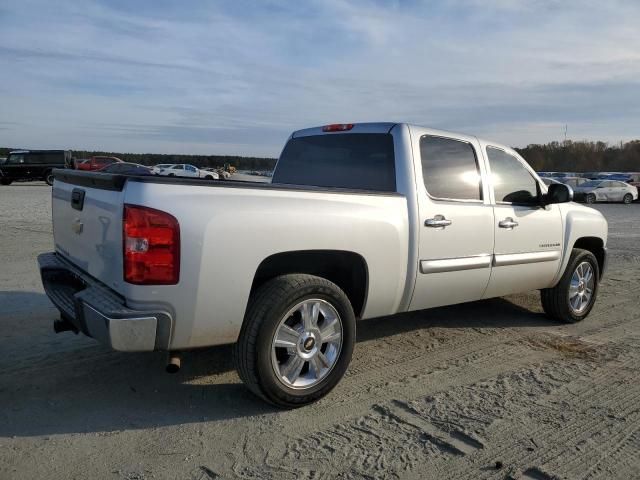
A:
x: 97, y: 163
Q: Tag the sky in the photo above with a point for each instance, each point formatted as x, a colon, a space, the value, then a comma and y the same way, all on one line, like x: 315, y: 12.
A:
x: 236, y: 77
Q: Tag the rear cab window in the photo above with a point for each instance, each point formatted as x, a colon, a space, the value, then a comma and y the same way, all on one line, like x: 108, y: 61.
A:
x: 359, y: 161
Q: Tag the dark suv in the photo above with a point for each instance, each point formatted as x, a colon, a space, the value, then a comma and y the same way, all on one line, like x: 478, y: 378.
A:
x: 33, y: 165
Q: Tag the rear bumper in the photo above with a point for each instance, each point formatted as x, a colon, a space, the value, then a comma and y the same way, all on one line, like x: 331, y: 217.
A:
x: 99, y: 312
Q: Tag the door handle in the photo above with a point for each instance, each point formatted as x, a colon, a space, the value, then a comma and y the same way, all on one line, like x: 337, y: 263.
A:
x: 508, y: 223
x: 437, y: 222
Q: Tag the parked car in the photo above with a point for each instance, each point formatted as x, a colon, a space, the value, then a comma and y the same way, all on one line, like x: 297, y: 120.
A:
x: 2, y: 160
x: 97, y: 163
x: 156, y: 170
x: 126, y: 168
x: 209, y: 174
x: 33, y: 165
x: 606, y: 191
x: 180, y: 170
x: 573, y: 182
x: 549, y: 181
x: 361, y: 221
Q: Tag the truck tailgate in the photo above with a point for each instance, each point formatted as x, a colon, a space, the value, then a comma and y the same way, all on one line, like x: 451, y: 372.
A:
x: 87, y: 227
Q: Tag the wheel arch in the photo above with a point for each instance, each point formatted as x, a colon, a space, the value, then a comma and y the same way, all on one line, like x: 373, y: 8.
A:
x: 346, y: 269
x: 596, y: 246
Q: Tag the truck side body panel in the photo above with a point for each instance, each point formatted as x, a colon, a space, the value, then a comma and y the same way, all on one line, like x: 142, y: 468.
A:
x: 221, y: 250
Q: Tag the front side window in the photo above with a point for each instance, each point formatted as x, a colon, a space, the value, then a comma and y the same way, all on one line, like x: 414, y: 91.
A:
x: 512, y: 182
x: 450, y: 169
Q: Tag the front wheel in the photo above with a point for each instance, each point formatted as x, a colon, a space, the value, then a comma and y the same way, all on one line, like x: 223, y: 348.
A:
x: 296, y: 341
x: 5, y: 181
x: 628, y: 198
x: 590, y: 198
x: 48, y: 177
x: 573, y: 297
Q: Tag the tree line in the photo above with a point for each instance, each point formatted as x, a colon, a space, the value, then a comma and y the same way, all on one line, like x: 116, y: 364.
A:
x: 570, y: 156
x: 567, y: 156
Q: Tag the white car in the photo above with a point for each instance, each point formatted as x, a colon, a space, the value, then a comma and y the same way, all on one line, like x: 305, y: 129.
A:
x: 156, y: 170
x: 180, y: 170
x: 606, y: 191
x: 209, y: 174
x: 360, y: 221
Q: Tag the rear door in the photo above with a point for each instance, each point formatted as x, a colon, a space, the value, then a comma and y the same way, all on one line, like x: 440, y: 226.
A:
x: 617, y: 191
x: 456, y: 220
x: 528, y: 236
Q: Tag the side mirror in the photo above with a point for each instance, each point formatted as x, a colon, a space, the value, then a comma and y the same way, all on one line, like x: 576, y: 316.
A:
x: 558, y: 193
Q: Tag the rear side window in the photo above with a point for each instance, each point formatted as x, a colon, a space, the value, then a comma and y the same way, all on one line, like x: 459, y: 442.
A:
x: 512, y: 183
x: 363, y: 161
x: 44, y: 157
x: 450, y: 169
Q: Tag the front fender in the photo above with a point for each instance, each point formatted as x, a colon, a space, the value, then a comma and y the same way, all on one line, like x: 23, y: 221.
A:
x: 579, y: 222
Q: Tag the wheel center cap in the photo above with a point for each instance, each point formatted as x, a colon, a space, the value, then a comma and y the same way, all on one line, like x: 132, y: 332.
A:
x: 309, y: 343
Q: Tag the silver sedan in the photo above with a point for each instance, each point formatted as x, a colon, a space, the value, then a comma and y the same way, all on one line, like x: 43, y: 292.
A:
x: 606, y: 191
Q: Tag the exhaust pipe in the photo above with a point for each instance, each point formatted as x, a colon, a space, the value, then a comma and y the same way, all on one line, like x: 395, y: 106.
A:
x: 63, y: 325
x: 173, y: 363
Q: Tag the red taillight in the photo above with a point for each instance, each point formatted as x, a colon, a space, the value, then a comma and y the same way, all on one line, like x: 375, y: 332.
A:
x: 151, y: 246
x: 337, y: 127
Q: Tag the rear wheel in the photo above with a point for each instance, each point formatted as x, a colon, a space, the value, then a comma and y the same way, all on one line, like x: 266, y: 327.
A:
x: 573, y: 297
x: 628, y: 198
x: 48, y: 177
x: 296, y: 341
x: 208, y: 177
x: 590, y: 198
x: 5, y: 181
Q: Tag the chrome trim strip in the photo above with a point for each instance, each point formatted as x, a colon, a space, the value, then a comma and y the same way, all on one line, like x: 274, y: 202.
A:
x: 455, y: 264
x: 504, y: 259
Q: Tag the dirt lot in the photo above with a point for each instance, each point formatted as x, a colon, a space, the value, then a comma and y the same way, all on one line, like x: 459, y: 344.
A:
x: 444, y: 393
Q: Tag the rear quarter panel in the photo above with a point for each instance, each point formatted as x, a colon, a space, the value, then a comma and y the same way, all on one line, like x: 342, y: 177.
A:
x: 227, y: 232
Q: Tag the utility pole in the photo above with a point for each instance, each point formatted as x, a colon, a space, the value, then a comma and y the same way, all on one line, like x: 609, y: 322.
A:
x: 565, y: 133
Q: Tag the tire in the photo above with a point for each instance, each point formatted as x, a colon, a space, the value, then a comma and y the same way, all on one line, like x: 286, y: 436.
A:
x: 259, y: 361
x: 556, y: 301
x: 5, y: 181
x: 171, y: 175
x: 627, y: 199
x: 48, y: 177
x: 208, y: 177
x: 590, y: 198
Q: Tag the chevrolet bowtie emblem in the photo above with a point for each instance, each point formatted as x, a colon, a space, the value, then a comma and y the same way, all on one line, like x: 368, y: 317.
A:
x: 77, y: 226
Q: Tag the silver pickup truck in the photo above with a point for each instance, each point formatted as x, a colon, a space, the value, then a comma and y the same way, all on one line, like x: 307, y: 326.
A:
x: 360, y: 221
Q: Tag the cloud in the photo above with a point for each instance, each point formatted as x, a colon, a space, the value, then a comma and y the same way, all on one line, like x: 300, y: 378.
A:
x: 237, y: 77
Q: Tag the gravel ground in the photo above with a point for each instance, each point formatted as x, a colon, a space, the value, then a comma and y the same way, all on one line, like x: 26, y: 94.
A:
x: 453, y: 392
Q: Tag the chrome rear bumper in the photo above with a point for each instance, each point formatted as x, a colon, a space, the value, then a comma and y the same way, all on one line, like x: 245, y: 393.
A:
x: 98, y: 311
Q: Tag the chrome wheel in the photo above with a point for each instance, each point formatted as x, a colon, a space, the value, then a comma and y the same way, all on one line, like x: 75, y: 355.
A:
x: 581, y: 287
x: 307, y: 344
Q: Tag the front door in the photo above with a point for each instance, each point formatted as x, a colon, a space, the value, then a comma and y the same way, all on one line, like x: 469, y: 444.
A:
x: 528, y: 236
x: 456, y: 220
